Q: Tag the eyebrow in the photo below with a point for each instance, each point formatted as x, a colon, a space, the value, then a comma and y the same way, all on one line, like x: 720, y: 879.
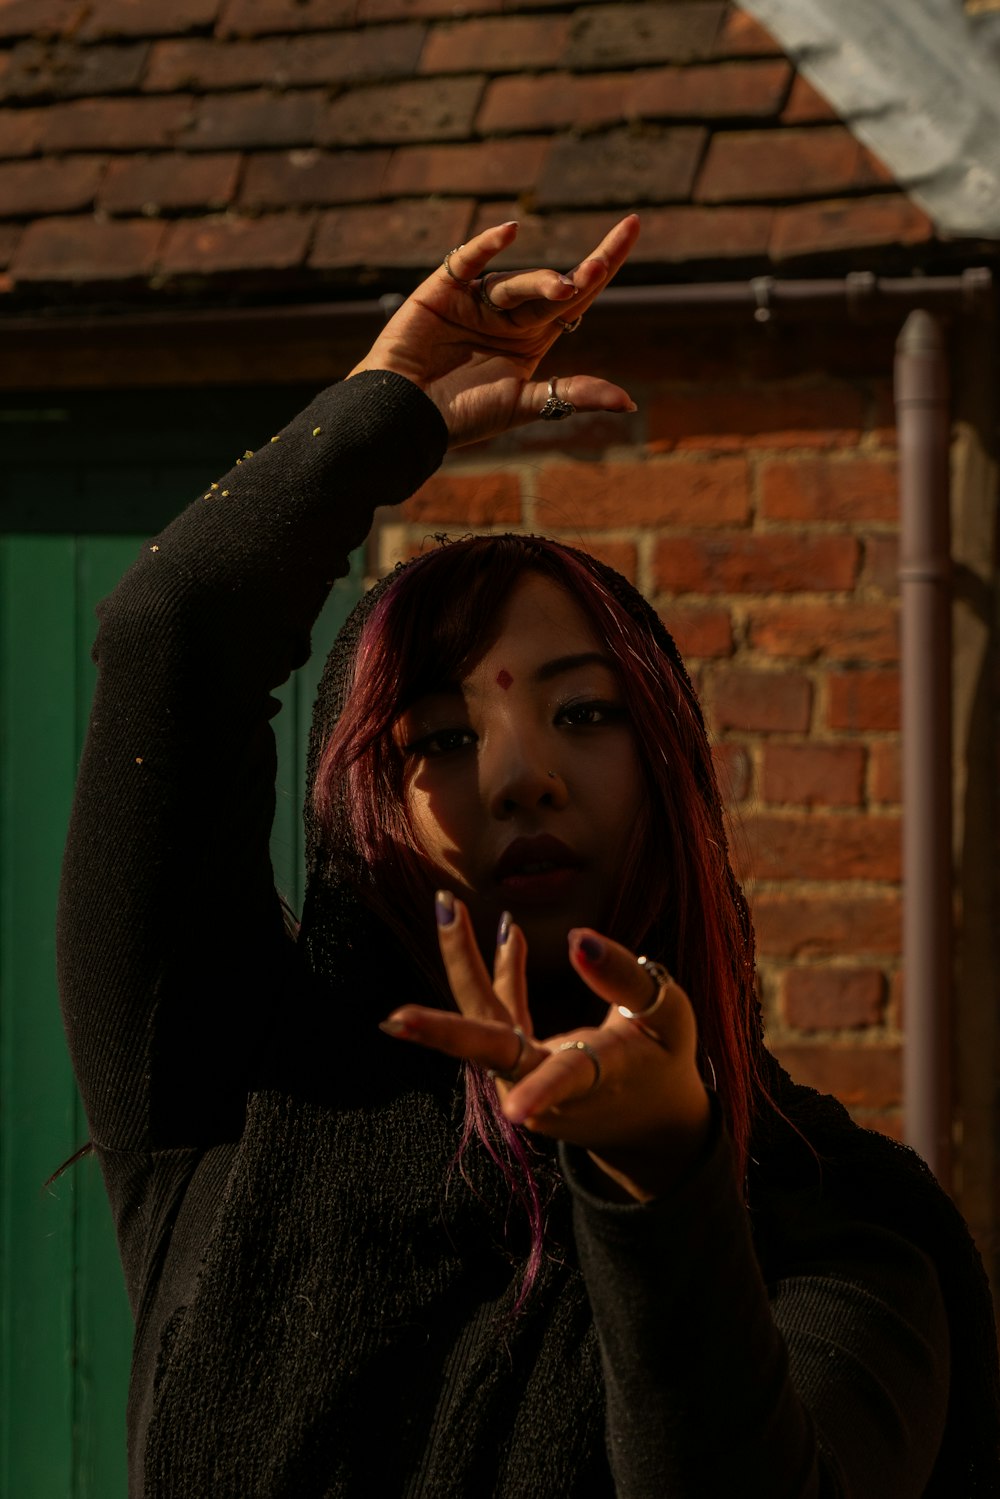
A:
x: 561, y: 664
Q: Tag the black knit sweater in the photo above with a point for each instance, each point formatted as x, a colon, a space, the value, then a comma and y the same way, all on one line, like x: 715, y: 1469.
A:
x: 323, y: 1305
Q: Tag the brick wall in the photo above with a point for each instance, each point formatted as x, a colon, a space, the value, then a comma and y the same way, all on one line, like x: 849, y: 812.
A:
x: 753, y: 499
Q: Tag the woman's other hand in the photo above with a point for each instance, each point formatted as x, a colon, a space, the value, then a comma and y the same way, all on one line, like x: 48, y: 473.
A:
x: 472, y: 339
x: 628, y: 1091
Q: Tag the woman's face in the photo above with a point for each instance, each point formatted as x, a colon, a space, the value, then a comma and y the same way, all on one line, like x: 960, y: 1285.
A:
x: 522, y: 781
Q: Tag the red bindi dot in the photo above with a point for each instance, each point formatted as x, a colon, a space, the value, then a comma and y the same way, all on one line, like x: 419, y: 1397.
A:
x: 504, y: 679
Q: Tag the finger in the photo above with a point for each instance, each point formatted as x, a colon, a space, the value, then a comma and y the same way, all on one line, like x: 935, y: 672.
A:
x: 490, y: 1043
x: 659, y: 1005
x: 467, y: 976
x: 510, y: 980
x: 567, y: 1075
x: 518, y: 289
x: 503, y: 291
x: 468, y: 261
x: 583, y: 392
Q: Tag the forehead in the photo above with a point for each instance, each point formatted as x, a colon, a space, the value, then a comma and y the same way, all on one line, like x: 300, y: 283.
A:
x: 541, y: 620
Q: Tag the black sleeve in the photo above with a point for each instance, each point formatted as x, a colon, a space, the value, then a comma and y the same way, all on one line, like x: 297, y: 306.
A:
x: 831, y: 1383
x: 170, y: 937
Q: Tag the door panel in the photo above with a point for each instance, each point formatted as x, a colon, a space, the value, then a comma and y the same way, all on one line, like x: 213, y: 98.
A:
x: 74, y: 509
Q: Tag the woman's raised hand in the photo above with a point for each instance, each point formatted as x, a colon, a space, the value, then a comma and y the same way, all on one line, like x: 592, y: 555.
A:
x: 628, y: 1090
x: 472, y: 339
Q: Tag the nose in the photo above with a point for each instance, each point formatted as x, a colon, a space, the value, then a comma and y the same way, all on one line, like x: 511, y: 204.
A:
x: 520, y: 774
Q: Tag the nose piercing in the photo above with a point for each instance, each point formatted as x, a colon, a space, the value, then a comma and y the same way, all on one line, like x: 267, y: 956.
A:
x: 553, y: 776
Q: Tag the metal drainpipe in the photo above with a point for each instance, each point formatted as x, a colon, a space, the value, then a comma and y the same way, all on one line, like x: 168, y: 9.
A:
x: 925, y: 585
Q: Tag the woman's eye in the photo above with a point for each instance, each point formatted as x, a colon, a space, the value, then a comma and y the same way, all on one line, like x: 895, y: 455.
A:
x: 590, y: 714
x: 443, y: 742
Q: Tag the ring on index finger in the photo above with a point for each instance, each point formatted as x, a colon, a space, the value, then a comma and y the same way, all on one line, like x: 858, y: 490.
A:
x: 513, y: 1073
x: 446, y: 266
x: 660, y: 979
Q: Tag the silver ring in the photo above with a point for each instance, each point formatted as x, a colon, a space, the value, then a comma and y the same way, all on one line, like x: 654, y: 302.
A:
x: 570, y: 327
x: 446, y: 263
x: 513, y: 1073
x: 660, y: 979
x: 486, y: 299
x: 592, y: 1056
x: 555, y: 408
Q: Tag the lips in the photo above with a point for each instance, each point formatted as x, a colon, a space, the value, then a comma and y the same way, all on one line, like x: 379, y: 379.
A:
x: 530, y: 860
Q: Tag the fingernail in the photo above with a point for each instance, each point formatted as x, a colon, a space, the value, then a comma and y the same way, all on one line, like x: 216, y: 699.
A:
x: 393, y: 1027
x: 591, y: 948
x: 568, y: 281
x: 444, y: 907
x: 503, y: 930
x: 631, y: 407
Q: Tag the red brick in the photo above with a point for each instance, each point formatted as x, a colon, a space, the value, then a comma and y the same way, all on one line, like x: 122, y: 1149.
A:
x: 733, y: 771
x: 258, y: 119
x: 400, y: 10
x: 482, y: 499
x: 859, y: 701
x: 838, y: 632
x: 743, y: 90
x: 623, y: 35
x: 654, y: 164
x: 115, y: 18
x: 811, y: 489
x: 209, y: 246
x: 264, y: 17
x: 482, y: 167
x: 865, y: 1076
x: 889, y: 220
x: 885, y: 780
x: 700, y: 631
x: 641, y: 494
x: 20, y: 131
x: 391, y: 234
x: 82, y: 249
x: 61, y: 70
x: 760, y: 702
x: 281, y: 179
x: 881, y: 569
x: 761, y: 416
x: 800, y: 926
x: 751, y: 165
x: 506, y: 44
x: 621, y: 555
x: 552, y: 101
x: 168, y: 181
x: 424, y: 109
x: 743, y: 36
x: 820, y: 999
x: 809, y: 775
x: 31, y: 189
x: 759, y: 563
x: 806, y: 105
x: 676, y: 236
x: 207, y: 63
x: 848, y: 846
x: 10, y: 235
x: 37, y: 18
x: 114, y: 124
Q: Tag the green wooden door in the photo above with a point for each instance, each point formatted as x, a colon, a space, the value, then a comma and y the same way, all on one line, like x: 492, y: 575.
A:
x: 83, y: 480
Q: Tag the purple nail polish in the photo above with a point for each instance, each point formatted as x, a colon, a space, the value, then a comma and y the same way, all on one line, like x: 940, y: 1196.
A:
x: 444, y: 907
x: 593, y: 948
x: 503, y: 930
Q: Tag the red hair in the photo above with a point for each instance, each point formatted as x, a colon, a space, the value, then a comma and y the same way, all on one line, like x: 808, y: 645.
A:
x: 679, y: 900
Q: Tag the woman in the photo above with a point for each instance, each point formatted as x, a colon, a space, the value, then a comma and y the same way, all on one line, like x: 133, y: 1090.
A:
x: 634, y: 1261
